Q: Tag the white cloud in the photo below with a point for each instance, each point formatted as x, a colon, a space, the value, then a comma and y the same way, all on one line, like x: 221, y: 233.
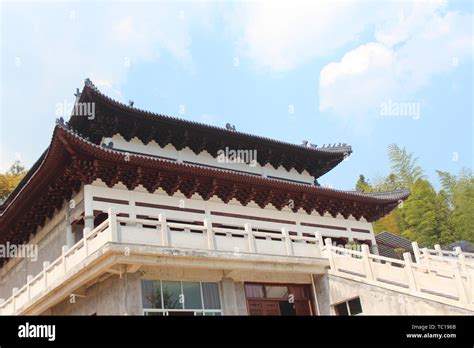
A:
x: 280, y: 35
x: 374, y: 73
x: 403, y: 19
x: 60, y: 44
x: 407, y: 43
x: 363, y: 76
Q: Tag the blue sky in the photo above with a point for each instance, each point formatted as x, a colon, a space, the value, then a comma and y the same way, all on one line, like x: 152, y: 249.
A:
x: 317, y: 71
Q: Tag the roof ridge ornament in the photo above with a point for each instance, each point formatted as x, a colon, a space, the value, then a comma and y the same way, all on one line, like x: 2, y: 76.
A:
x: 77, y: 94
x: 90, y: 84
x: 230, y: 127
x: 60, y: 121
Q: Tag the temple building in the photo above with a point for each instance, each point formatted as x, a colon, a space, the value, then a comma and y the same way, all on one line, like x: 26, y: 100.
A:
x: 128, y: 212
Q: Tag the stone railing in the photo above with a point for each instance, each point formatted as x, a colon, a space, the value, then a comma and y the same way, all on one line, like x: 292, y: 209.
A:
x: 451, y: 285
x: 446, y: 259
x: 201, y: 235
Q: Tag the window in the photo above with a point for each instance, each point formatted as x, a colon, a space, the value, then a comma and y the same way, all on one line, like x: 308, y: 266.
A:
x: 180, y: 298
x: 273, y: 291
x: 278, y: 299
x: 172, y: 295
x: 351, y: 307
x: 254, y: 291
x: 192, y: 295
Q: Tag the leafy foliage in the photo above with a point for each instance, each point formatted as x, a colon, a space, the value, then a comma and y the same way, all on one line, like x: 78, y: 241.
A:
x: 427, y: 216
x: 405, y: 169
x: 10, y: 179
x: 362, y: 185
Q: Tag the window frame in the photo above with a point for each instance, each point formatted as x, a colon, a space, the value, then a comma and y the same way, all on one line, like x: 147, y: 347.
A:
x: 346, y: 302
x: 196, y: 312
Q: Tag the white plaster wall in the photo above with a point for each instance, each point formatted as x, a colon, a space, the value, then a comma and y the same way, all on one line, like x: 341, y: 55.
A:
x: 331, y: 290
x: 186, y: 154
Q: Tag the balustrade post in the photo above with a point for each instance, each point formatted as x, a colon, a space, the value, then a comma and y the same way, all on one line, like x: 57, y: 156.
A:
x: 416, y: 252
x: 29, y: 278
x: 462, y: 263
x: 248, y: 229
x: 64, y: 249
x: 462, y: 296
x: 14, y: 291
x: 45, y: 274
x: 330, y: 254
x: 320, y: 240
x: 369, y: 274
x: 412, y: 285
x: 113, y: 225
x: 286, y: 235
x: 87, y: 231
x: 439, y: 252
x: 427, y: 258
x: 210, y: 234
x: 164, y: 230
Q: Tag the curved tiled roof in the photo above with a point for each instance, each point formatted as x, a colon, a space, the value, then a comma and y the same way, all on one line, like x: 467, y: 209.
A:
x: 115, y: 117
x: 71, y: 160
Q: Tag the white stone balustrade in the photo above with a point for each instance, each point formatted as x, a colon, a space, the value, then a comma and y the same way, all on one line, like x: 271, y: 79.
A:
x: 444, y: 259
x: 433, y: 280
x: 164, y: 232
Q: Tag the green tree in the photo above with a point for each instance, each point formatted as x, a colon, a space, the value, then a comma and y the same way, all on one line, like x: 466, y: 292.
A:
x: 405, y: 169
x: 422, y: 217
x: 362, y: 185
x: 459, y: 193
x: 427, y: 216
x: 10, y: 179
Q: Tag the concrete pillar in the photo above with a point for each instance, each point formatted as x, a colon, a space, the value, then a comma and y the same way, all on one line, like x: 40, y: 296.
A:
x: 69, y: 234
x: 89, y: 222
x: 241, y: 299
x: 88, y: 208
x: 229, y: 300
x: 132, y: 294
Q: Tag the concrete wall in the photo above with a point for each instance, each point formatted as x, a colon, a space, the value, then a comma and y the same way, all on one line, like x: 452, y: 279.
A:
x: 113, y: 296
x: 332, y: 289
x: 123, y: 296
x: 49, y: 241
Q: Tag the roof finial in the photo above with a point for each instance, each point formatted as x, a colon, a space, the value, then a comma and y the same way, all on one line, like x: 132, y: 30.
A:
x: 228, y: 126
x: 60, y: 121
